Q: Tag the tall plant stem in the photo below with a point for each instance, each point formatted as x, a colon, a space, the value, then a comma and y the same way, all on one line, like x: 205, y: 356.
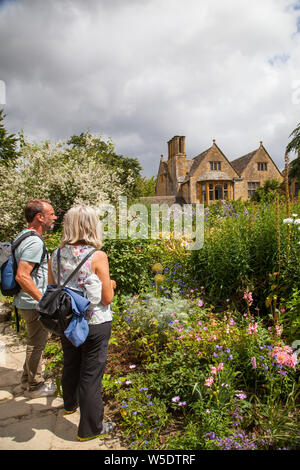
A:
x: 278, y: 233
x: 287, y: 199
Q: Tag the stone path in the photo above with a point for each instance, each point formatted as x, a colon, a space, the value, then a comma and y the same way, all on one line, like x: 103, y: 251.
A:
x: 40, y: 423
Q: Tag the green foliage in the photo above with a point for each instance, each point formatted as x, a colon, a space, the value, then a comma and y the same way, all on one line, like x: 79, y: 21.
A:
x: 290, y: 316
x: 54, y: 355
x: 223, y: 264
x: 145, y: 187
x: 52, y: 241
x: 8, y: 144
x: 294, y: 144
x: 268, y: 191
x: 130, y: 263
x: 210, y: 373
x: 241, y: 250
x: 295, y: 169
x: 142, y: 416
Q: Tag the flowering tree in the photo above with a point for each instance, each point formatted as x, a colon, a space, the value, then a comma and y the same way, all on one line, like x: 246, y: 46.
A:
x: 55, y: 172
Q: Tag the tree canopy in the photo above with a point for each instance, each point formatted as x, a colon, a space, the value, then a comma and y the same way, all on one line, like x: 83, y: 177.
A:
x: 8, y: 143
x: 294, y: 145
x: 105, y: 153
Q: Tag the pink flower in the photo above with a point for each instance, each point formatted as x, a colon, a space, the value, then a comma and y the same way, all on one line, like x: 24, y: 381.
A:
x: 252, y: 328
x: 253, y: 360
x: 278, y: 330
x: 175, y: 399
x: 209, y: 381
x: 248, y: 297
x: 220, y: 366
x: 133, y: 366
x: 241, y: 396
x: 200, y: 303
x: 213, y: 370
x: 284, y: 356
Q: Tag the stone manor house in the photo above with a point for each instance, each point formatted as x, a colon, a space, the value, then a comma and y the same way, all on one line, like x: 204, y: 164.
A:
x: 210, y: 176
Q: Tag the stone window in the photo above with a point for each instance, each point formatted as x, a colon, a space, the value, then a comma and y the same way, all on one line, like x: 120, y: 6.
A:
x: 211, y: 192
x: 262, y: 166
x: 215, y: 166
x: 203, y: 189
x: 225, y: 190
x: 252, y: 186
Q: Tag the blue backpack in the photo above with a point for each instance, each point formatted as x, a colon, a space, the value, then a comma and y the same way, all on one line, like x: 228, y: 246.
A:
x: 9, y: 286
x: 8, y: 266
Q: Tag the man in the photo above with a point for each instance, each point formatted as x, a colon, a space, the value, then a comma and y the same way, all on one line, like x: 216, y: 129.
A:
x: 33, y: 282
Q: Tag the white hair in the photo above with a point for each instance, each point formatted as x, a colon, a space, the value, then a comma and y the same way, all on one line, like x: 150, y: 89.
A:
x: 82, y: 224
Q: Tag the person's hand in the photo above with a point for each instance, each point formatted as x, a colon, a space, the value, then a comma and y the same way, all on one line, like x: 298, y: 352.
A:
x: 113, y: 284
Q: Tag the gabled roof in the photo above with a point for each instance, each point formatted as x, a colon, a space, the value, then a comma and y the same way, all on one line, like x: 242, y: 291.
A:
x: 198, y: 159
x: 239, y: 164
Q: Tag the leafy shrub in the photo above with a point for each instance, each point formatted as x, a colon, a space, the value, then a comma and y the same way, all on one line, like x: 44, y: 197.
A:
x: 130, y: 263
x: 243, y: 249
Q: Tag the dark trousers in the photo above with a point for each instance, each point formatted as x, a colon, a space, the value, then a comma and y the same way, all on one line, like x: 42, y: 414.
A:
x: 82, y: 378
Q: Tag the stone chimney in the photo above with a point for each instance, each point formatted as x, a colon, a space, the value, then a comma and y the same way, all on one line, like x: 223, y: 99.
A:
x: 176, y: 146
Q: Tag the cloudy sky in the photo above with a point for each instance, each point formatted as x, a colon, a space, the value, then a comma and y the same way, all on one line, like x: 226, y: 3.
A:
x: 142, y: 71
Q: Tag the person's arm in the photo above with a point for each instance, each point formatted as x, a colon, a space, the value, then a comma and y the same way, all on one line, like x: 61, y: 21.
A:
x: 51, y: 280
x: 100, y: 267
x: 25, y: 281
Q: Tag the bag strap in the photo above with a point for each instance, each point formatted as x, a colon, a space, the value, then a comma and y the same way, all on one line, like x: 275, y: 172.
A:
x: 75, y: 270
x: 25, y: 235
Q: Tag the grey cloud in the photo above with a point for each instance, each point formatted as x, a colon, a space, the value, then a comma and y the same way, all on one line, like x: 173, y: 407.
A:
x: 143, y: 71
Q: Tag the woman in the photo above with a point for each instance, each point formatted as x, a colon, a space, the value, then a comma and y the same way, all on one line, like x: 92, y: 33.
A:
x: 84, y: 366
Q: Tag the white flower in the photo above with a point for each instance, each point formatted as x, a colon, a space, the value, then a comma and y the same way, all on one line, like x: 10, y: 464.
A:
x: 294, y: 215
x: 297, y: 221
x: 288, y: 221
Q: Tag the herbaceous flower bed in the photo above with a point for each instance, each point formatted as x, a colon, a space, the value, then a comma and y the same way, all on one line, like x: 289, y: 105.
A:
x: 194, y: 379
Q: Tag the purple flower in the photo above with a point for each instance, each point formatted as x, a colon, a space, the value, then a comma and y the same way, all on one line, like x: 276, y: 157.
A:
x: 175, y: 399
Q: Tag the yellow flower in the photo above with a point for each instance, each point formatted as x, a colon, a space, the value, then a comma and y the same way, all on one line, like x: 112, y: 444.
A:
x: 157, y: 268
x: 159, y: 278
